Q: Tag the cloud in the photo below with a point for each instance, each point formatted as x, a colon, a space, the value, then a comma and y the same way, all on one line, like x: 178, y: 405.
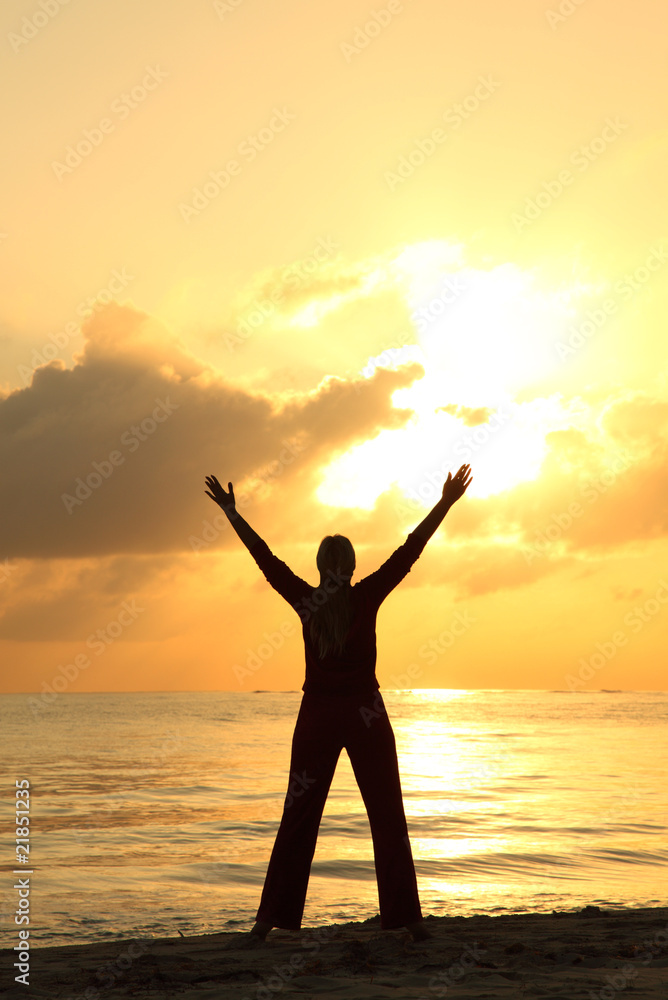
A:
x: 638, y: 419
x: 110, y: 456
x: 470, y: 416
x: 601, y: 492
x: 304, y: 293
x: 67, y: 599
x: 129, y: 432
x: 290, y: 288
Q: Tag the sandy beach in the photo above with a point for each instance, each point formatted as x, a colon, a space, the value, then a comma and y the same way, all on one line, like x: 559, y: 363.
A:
x: 592, y: 953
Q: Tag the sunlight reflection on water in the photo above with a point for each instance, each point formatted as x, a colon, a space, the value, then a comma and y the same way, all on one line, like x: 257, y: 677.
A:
x: 152, y: 812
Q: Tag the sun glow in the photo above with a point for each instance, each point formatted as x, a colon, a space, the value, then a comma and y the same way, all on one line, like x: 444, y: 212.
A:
x: 506, y: 448
x: 484, y: 337
x: 489, y: 334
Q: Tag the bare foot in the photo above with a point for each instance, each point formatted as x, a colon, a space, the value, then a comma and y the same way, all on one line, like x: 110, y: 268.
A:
x: 261, y: 930
x: 419, y: 931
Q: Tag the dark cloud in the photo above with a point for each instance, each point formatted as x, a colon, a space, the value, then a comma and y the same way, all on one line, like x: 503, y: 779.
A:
x: 110, y: 455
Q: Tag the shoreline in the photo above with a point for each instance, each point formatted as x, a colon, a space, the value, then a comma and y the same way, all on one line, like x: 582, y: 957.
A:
x: 570, y: 955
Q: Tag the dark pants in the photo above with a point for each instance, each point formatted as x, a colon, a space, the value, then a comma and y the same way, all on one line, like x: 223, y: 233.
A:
x: 325, y: 725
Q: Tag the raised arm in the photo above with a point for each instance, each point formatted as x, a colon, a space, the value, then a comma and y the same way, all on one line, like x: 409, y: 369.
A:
x: 453, y: 489
x: 227, y: 502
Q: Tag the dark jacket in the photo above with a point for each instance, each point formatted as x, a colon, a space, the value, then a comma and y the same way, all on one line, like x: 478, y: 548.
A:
x: 354, y: 670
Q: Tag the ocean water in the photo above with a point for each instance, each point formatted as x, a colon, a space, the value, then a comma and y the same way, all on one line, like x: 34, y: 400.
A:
x: 156, y: 813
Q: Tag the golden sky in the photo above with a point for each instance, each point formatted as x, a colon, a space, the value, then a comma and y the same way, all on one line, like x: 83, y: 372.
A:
x: 330, y: 252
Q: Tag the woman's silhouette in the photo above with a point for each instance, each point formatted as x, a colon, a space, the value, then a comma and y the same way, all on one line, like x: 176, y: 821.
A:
x: 341, y: 707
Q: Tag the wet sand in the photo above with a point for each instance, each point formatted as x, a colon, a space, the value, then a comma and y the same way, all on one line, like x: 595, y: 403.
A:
x: 592, y: 953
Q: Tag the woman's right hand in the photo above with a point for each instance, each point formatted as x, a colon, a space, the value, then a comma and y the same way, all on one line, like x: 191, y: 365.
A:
x: 223, y: 499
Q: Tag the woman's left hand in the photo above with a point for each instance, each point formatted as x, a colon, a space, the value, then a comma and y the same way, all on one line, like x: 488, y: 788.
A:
x: 453, y: 489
